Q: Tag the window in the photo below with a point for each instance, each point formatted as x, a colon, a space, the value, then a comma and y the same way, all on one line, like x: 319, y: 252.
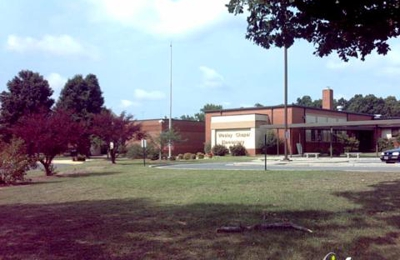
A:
x: 318, y: 135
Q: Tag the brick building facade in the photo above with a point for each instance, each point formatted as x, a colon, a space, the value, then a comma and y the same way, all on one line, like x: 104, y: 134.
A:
x: 191, y: 132
x: 312, y: 129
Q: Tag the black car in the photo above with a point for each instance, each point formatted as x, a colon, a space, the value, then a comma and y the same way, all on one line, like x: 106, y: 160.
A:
x: 391, y: 156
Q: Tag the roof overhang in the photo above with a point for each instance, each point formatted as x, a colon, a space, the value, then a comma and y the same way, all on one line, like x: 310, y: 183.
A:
x: 349, y: 125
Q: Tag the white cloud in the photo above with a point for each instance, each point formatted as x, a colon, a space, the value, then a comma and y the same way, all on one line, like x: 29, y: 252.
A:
x: 335, y: 64
x: 161, y: 17
x: 211, y: 78
x: 141, y: 94
x: 56, y: 81
x: 127, y: 103
x: 62, y: 45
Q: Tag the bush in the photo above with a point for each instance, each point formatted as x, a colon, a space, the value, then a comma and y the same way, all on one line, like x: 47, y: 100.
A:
x: 79, y: 158
x: 350, y: 143
x: 187, y: 156
x: 172, y: 158
x: 220, y: 150
x: 14, y: 162
x: 193, y: 156
x: 238, y: 150
x: 180, y: 156
x: 200, y: 155
x: 135, y: 151
x: 385, y: 144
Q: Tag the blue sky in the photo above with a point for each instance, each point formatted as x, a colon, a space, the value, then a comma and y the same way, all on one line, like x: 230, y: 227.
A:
x: 126, y: 44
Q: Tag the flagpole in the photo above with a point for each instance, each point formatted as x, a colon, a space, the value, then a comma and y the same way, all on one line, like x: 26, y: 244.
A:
x: 170, y: 106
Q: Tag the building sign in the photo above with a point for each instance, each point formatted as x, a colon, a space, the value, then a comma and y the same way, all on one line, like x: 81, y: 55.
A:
x: 234, y: 137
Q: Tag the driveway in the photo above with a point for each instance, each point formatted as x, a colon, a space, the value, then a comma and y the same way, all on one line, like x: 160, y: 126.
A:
x: 320, y: 164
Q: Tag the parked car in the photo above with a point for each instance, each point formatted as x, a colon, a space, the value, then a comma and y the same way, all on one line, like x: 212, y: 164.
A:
x: 391, y: 156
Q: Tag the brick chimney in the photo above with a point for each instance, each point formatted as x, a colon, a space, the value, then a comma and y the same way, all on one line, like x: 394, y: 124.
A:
x: 327, y: 99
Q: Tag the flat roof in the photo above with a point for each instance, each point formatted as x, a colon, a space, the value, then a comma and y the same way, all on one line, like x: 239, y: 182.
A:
x: 349, y: 125
x: 281, y: 107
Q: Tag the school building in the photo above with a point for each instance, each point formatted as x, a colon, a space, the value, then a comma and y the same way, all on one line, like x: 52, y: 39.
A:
x: 191, y: 133
x: 308, y: 129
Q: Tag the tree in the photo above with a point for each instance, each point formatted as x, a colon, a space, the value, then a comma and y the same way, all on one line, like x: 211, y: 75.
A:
x: 391, y: 107
x: 369, y: 104
x: 187, y: 117
x: 83, y: 96
x: 350, y: 28
x: 342, y: 102
x: 201, y: 116
x: 207, y: 107
x: 258, y: 105
x: 46, y: 135
x: 95, y: 100
x: 164, y: 138
x: 27, y: 93
x: 308, y: 102
x: 114, y: 130
x: 271, y: 142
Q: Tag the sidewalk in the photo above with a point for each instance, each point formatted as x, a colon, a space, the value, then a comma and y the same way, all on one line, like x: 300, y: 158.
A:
x: 278, y: 160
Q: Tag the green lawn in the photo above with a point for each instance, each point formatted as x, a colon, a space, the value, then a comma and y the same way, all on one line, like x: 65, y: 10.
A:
x: 126, y: 211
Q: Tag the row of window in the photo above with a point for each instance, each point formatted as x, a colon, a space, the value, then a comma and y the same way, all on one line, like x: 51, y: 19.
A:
x: 317, y: 135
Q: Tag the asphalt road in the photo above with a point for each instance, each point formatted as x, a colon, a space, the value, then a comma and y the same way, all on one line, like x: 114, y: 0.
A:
x: 335, y: 164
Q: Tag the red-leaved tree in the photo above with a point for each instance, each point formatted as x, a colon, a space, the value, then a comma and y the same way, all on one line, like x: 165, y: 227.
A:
x: 47, y: 134
x: 115, y: 130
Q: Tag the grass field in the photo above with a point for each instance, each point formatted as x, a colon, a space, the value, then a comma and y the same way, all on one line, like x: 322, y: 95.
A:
x: 126, y: 211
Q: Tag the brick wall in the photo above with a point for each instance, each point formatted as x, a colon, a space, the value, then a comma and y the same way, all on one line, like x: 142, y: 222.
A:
x: 192, y: 133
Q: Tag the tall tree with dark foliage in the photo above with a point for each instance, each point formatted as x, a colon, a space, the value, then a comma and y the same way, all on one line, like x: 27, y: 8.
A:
x: 352, y: 28
x: 27, y: 93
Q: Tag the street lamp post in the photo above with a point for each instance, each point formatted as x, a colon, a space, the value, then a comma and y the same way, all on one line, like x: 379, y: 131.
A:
x: 285, y: 86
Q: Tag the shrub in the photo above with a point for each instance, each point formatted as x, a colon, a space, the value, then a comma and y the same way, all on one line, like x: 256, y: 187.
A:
x: 79, y: 158
x: 220, y: 150
x: 180, y: 156
x: 14, y: 162
x: 349, y: 143
x: 135, y: 151
x: 385, y: 144
x: 187, y: 156
x: 193, y: 156
x: 238, y: 150
x: 200, y: 155
x: 172, y: 158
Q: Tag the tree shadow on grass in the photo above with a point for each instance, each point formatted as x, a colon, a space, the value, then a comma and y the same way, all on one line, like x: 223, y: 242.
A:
x: 77, y: 174
x: 381, y: 206
x: 144, y: 229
